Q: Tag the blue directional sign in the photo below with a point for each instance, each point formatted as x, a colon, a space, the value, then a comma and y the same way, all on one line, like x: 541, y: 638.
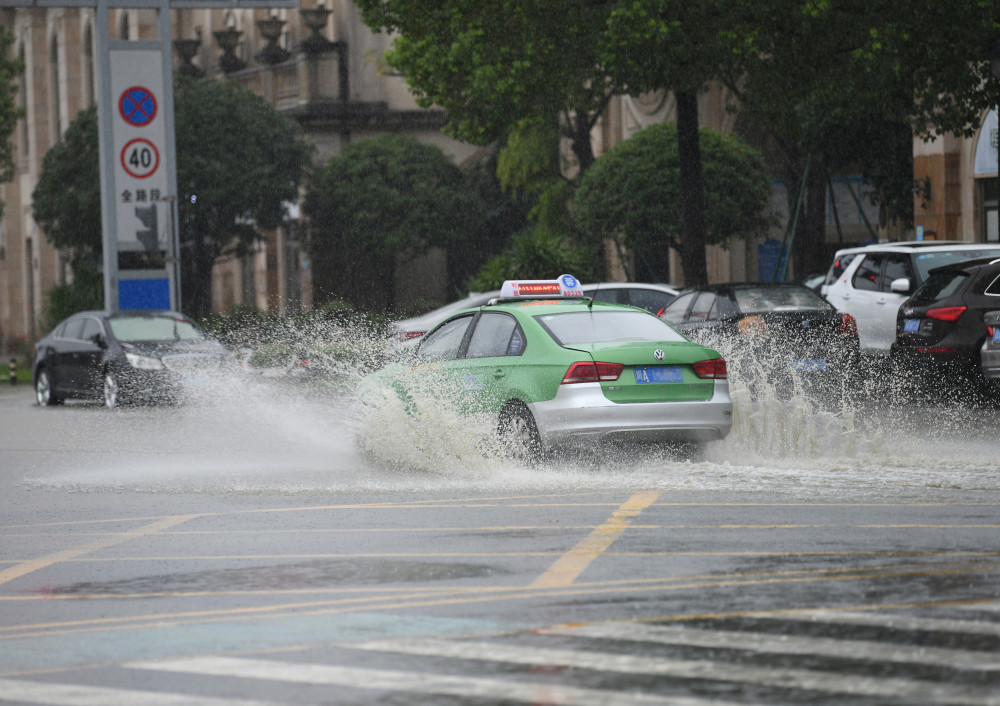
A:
x: 137, y: 106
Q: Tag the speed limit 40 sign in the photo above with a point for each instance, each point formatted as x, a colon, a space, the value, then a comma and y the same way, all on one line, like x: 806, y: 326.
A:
x: 140, y: 158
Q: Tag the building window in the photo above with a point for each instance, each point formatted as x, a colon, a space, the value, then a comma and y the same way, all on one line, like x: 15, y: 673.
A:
x: 54, y: 90
x: 123, y: 27
x: 24, y: 143
x: 89, y: 90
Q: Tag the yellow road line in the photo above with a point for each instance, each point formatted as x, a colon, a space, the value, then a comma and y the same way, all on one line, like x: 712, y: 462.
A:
x: 342, y: 606
x: 574, y: 562
x: 28, y: 567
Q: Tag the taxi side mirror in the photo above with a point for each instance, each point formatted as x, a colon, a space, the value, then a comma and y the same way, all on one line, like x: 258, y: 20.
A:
x: 900, y: 286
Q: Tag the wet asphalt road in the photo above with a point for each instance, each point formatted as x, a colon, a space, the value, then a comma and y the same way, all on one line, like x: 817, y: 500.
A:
x: 243, y: 551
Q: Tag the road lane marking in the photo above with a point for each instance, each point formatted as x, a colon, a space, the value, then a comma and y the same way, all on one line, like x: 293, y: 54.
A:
x: 893, y: 688
x: 991, y: 606
x: 32, y: 692
x: 834, y: 616
x: 478, y: 688
x: 574, y: 562
x: 475, y: 596
x: 784, y: 644
x: 27, y: 567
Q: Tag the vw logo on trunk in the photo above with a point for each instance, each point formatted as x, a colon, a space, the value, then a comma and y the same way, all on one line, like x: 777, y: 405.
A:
x: 658, y: 354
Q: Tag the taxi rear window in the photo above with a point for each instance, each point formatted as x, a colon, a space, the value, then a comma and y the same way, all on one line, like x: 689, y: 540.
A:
x: 581, y: 327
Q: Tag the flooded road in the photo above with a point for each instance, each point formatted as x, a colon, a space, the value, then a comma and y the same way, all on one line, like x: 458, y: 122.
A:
x: 256, y: 547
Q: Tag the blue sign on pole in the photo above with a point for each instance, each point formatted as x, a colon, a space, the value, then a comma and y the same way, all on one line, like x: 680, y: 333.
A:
x: 143, y: 294
x: 772, y: 261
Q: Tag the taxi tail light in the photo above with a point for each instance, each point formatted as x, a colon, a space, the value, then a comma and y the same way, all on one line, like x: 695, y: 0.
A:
x: 711, y: 369
x: 848, y: 326
x: 945, y: 313
x: 586, y: 371
x: 937, y: 349
x: 990, y: 331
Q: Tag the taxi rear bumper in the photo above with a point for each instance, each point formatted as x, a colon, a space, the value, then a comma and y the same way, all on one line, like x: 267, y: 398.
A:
x: 581, y: 411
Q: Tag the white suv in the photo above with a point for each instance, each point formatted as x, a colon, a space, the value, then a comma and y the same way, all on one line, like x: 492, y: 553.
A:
x: 871, y: 281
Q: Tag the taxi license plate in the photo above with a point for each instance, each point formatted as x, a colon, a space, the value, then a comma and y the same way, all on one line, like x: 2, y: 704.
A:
x: 809, y: 365
x: 996, y: 336
x: 911, y: 325
x: 660, y: 373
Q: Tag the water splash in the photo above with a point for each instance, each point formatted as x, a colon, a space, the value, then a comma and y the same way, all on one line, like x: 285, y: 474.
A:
x: 253, y: 432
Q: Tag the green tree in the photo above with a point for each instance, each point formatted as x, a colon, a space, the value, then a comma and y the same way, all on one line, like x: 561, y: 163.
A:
x: 633, y: 195
x: 848, y: 82
x: 679, y: 46
x: 66, y: 202
x: 492, y: 64
x: 10, y: 112
x: 238, y: 162
x: 377, y: 205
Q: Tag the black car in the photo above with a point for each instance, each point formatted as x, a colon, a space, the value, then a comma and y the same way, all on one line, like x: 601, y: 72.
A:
x: 127, y: 356
x: 939, y: 329
x: 770, y: 332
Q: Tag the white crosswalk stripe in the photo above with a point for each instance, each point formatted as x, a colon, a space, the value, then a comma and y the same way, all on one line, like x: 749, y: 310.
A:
x: 815, y: 680
x: 416, y: 682
x: 787, y: 644
x: 580, y: 649
x: 33, y: 692
x: 889, y: 620
x: 992, y: 606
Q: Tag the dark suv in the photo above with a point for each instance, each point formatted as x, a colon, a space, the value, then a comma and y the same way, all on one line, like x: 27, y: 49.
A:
x: 939, y: 329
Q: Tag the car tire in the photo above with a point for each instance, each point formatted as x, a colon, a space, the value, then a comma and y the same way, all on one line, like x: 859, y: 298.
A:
x: 44, y: 393
x: 111, y: 390
x: 518, y: 433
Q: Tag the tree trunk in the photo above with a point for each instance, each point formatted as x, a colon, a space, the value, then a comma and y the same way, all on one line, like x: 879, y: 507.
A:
x: 809, y: 252
x: 692, y: 250
x: 583, y: 150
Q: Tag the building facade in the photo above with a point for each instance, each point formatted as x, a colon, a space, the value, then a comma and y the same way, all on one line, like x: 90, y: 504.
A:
x: 322, y: 67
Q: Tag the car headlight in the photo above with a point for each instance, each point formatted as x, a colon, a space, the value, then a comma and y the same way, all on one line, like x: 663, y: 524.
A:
x: 141, y: 362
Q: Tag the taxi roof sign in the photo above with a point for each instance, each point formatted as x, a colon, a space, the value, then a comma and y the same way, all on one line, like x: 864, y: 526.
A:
x: 565, y: 286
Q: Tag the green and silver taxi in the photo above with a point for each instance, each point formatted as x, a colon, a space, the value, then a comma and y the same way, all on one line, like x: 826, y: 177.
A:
x: 545, y: 367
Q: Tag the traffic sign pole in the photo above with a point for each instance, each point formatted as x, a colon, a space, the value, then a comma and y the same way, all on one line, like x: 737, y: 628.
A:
x: 158, y: 285
x: 139, y: 199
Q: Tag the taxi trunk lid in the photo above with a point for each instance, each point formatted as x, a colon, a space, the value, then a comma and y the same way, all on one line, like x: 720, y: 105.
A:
x: 651, y: 377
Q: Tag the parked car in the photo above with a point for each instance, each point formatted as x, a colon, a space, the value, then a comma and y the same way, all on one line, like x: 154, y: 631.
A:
x: 770, y: 332
x: 545, y: 367
x: 989, y: 355
x: 121, y: 357
x: 874, y: 280
x: 940, y: 329
x: 651, y: 297
x: 408, y: 331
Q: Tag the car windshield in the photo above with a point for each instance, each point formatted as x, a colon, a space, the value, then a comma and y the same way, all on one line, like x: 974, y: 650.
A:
x: 927, y: 261
x: 760, y: 300
x: 940, y: 285
x: 594, y: 326
x: 130, y: 329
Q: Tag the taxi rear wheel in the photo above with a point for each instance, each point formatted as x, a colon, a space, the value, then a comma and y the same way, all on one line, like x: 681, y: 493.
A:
x: 519, y: 436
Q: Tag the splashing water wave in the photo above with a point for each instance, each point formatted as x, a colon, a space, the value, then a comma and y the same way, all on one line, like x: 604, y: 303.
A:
x: 248, y: 434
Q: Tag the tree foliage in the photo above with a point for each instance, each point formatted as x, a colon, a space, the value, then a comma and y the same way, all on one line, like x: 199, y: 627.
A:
x: 10, y: 112
x: 380, y: 203
x: 848, y: 82
x: 66, y: 203
x: 633, y: 194
x: 490, y: 64
x: 238, y: 162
